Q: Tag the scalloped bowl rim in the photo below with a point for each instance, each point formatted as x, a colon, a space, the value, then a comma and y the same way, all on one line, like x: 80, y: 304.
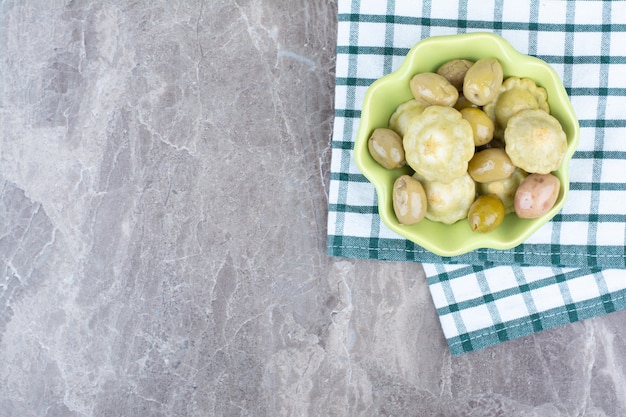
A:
x: 458, y: 239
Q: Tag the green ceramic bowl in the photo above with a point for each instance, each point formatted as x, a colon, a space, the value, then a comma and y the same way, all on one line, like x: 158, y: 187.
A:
x: 386, y: 93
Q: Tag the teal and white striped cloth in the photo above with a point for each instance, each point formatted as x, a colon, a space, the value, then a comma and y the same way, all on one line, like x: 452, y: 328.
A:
x: 571, y: 269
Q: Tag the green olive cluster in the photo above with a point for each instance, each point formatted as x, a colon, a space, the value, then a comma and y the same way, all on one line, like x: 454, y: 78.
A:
x: 480, y: 145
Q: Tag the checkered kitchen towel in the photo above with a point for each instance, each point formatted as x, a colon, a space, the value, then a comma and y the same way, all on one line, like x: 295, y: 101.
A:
x: 573, y: 267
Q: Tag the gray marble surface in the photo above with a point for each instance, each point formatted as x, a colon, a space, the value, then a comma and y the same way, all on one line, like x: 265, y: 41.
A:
x: 163, y: 183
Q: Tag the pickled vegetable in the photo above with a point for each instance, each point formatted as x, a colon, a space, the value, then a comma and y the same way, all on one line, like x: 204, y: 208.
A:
x: 482, y: 126
x: 520, y: 93
x: 535, y: 141
x: 536, y: 195
x: 449, y: 203
x: 433, y: 89
x: 404, y: 114
x: 439, y: 144
x: 386, y: 148
x: 512, y: 101
x: 483, y: 81
x: 409, y: 200
x: 515, y: 95
x: 489, y: 165
x: 454, y: 71
x: 486, y: 213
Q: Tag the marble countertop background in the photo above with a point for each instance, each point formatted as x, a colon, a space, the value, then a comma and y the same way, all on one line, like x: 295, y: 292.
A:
x: 163, y: 187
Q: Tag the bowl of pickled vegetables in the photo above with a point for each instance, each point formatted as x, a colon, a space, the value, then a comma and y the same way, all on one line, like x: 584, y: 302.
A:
x: 468, y: 144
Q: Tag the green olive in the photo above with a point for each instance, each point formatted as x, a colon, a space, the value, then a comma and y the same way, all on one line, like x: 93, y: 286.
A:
x: 492, y: 164
x: 483, y: 81
x: 433, y: 89
x: 409, y: 200
x: 511, y: 102
x: 486, y: 213
x: 454, y: 71
x: 386, y: 148
x: 482, y: 126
